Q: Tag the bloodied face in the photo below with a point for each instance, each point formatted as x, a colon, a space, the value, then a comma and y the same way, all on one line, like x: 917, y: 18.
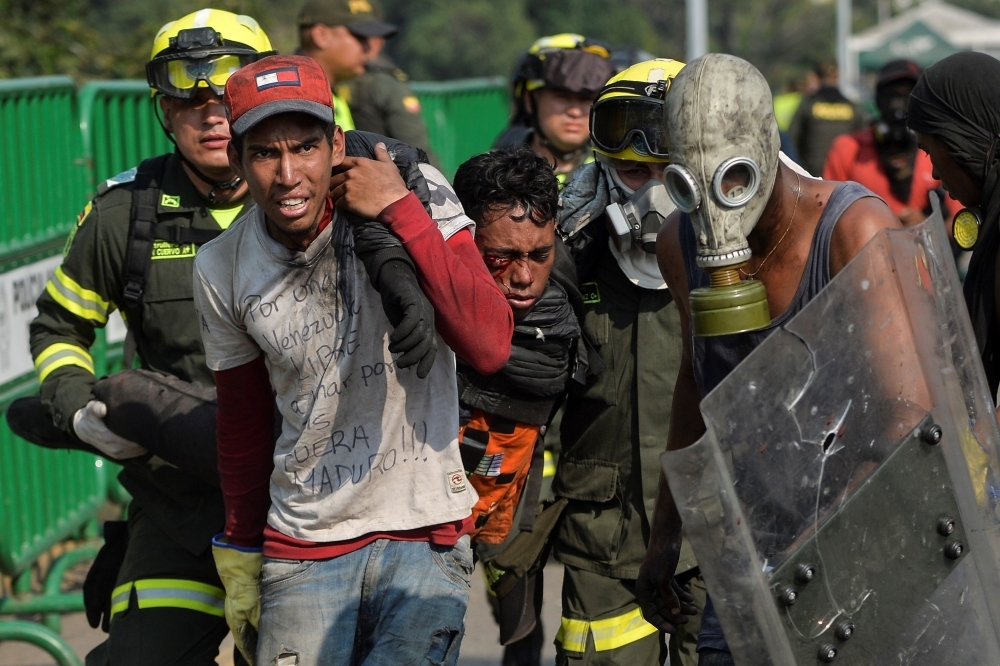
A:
x: 519, y: 254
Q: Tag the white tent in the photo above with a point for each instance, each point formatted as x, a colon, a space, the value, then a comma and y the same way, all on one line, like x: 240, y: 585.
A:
x: 925, y: 33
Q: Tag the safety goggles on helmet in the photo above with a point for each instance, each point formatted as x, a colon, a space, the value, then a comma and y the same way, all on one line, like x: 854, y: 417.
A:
x: 734, y: 184
x: 635, y: 122
x: 629, y: 114
x: 198, y: 58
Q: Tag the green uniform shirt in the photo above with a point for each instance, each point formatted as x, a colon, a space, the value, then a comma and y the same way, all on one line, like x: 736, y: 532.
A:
x: 86, y: 290
x: 382, y: 102
x: 615, y: 429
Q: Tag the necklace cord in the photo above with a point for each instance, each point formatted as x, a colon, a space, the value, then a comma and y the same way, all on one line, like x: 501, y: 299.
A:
x: 798, y: 194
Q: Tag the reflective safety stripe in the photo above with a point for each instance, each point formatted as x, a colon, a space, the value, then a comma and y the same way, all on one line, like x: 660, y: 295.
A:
x: 59, y: 355
x: 609, y: 634
x: 549, y: 467
x: 614, y: 632
x: 171, y: 593
x: 82, y: 302
x: 119, y: 598
x: 572, y: 635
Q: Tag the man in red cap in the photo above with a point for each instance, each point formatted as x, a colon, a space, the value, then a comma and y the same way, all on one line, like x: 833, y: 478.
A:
x: 345, y: 540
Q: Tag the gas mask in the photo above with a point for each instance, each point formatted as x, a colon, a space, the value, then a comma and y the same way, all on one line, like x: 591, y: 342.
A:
x: 724, y: 148
x: 635, y: 222
x: 634, y: 219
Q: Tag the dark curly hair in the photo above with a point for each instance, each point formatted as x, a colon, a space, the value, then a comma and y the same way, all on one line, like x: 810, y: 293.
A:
x: 501, y: 180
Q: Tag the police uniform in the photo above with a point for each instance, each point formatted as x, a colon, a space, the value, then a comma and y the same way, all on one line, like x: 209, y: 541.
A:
x: 167, y: 605
x: 819, y: 119
x: 382, y: 102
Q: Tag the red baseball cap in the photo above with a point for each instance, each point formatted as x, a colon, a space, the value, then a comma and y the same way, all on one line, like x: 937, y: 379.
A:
x: 277, y: 84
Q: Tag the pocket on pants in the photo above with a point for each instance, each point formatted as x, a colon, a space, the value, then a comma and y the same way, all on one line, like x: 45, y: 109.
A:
x: 455, y: 561
x: 276, y: 572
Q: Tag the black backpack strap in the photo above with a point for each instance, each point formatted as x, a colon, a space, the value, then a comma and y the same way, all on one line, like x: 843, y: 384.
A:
x: 184, y: 235
x: 141, y: 229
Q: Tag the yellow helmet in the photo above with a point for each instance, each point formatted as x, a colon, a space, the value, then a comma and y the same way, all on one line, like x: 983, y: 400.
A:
x: 566, y: 61
x: 626, y: 120
x: 201, y: 50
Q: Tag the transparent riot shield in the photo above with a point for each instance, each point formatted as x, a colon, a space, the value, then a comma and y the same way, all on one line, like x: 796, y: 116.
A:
x: 843, y: 504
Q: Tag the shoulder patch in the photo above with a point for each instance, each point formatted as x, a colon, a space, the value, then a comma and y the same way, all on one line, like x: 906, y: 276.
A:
x: 411, y: 104
x: 400, y: 75
x: 84, y: 213
x: 170, y: 200
x: 122, y: 178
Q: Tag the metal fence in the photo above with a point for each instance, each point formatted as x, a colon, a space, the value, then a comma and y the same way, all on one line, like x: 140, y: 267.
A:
x: 463, y: 117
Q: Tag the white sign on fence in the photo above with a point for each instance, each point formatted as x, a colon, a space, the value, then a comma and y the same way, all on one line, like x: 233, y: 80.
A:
x: 19, y: 289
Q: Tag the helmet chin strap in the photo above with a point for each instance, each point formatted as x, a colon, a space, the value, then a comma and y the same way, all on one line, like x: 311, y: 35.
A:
x: 215, y: 185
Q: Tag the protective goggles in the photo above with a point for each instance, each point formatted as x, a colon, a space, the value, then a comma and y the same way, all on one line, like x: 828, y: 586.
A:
x: 198, y: 57
x: 734, y: 184
x: 636, y: 122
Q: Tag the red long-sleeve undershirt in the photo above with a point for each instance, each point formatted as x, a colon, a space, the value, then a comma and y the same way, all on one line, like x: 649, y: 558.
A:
x: 472, y: 317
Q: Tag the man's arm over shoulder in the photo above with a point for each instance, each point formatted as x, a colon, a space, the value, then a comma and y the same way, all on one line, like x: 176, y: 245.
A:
x: 470, y: 312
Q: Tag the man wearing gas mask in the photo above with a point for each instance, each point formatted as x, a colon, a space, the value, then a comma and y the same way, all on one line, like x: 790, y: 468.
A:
x: 884, y: 156
x: 612, y: 431
x: 752, y: 241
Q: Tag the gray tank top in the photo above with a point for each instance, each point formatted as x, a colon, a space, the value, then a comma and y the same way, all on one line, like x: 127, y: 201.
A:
x: 715, y: 357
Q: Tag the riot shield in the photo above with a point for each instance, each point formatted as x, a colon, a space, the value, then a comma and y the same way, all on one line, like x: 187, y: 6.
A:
x: 843, y: 503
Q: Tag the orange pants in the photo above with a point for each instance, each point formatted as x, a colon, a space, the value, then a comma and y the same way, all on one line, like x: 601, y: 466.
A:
x: 497, y: 453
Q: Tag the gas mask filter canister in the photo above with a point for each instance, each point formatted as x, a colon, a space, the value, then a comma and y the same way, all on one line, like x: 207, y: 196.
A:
x: 724, y: 148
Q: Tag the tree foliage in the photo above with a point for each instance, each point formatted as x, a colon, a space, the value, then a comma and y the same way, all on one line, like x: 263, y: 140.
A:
x: 439, y: 39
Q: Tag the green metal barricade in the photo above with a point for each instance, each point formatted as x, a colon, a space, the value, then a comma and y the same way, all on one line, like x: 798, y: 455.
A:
x: 119, y: 126
x: 463, y: 117
x: 45, y: 496
x: 43, y: 182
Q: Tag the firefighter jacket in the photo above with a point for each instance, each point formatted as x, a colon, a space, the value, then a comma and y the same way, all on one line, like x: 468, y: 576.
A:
x: 85, y: 291
x: 614, y: 427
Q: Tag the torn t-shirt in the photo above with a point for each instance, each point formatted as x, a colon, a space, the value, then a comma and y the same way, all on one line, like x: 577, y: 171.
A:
x: 365, y: 447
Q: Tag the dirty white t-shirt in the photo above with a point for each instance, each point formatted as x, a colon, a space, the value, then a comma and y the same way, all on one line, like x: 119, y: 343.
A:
x: 365, y: 447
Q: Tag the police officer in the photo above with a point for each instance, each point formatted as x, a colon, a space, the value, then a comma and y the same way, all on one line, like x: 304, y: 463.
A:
x: 613, y: 429
x: 555, y: 83
x: 133, y: 249
x: 821, y: 117
x: 380, y: 98
x: 336, y: 34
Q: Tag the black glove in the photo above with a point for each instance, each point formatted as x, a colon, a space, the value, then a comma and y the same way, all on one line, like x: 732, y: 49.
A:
x: 103, y: 574
x: 411, y: 315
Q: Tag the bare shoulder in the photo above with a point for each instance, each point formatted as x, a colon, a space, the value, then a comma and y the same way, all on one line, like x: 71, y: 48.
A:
x: 858, y: 225
x: 670, y: 257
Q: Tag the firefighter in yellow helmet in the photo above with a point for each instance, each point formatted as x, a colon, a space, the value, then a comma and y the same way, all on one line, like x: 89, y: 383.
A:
x: 612, y: 432
x: 554, y: 84
x: 154, y: 586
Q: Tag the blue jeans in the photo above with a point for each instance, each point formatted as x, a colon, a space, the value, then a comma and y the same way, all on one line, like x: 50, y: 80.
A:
x: 390, y: 603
